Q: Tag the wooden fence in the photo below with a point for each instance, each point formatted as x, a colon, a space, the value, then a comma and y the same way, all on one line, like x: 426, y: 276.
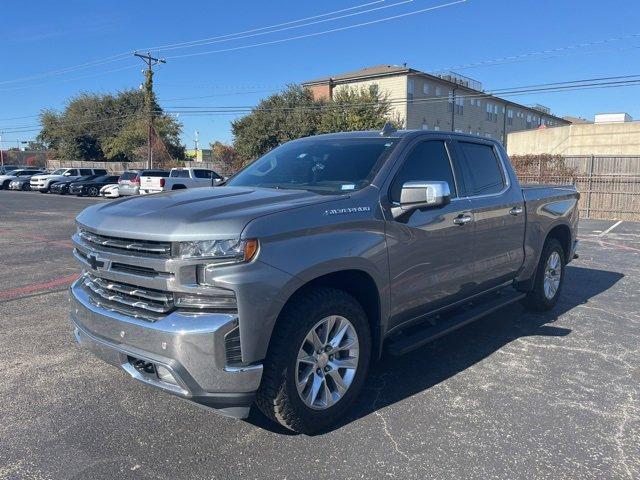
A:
x: 612, y: 196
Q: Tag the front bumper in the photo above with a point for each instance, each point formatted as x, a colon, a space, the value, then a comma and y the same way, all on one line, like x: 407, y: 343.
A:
x: 189, y: 346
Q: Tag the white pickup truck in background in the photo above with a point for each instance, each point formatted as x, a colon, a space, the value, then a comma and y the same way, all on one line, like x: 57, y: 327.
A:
x: 179, y: 178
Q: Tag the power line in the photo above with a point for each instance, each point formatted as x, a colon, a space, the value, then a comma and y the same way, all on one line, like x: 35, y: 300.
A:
x: 163, y: 47
x: 113, y: 58
x: 324, y: 32
x: 198, y: 43
x: 527, y: 55
x: 620, y: 81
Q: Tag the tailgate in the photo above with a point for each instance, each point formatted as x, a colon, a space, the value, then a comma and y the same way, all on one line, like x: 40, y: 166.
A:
x: 151, y: 183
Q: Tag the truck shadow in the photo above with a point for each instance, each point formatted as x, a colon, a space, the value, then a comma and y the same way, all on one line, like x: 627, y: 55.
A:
x: 396, y: 378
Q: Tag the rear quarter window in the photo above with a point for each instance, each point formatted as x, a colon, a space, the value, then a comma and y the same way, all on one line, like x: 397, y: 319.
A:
x: 179, y: 173
x: 483, y: 173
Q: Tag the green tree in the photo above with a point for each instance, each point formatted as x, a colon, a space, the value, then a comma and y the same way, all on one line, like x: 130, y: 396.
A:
x: 111, y: 127
x: 354, y: 108
x: 279, y: 118
x: 294, y: 113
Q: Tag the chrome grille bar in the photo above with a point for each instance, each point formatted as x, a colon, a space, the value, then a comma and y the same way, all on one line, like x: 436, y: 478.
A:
x: 154, y: 248
x: 132, y: 296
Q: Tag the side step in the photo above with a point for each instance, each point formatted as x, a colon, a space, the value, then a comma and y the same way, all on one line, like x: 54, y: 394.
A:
x: 427, y: 332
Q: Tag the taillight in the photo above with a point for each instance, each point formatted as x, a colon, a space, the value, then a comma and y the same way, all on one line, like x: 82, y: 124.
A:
x: 136, y: 179
x: 162, y: 182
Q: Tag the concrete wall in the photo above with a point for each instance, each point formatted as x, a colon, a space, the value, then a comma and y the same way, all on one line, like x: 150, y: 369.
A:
x: 587, y: 139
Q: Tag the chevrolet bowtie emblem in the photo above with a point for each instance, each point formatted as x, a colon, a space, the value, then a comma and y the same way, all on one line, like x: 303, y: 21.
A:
x: 94, y: 262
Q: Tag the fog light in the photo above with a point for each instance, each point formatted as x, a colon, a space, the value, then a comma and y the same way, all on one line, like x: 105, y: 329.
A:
x: 165, y: 375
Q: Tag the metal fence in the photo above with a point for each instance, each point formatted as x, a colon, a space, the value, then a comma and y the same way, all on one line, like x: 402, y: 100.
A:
x: 612, y: 196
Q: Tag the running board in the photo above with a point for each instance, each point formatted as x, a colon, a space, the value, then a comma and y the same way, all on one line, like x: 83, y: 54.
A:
x: 406, y: 342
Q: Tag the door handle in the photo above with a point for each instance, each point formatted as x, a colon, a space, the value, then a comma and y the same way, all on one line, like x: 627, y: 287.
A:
x: 462, y: 220
x: 516, y: 211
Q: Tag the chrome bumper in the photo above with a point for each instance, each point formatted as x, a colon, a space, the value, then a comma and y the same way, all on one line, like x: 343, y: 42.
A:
x: 190, y: 347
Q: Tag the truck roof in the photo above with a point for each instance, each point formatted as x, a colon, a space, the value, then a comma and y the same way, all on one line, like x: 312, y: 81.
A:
x: 399, y: 134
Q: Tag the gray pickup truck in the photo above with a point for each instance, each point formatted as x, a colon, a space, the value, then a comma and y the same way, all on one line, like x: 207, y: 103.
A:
x: 280, y: 288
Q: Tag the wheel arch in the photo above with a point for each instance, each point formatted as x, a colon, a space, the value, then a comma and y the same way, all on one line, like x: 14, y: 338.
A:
x: 358, y: 283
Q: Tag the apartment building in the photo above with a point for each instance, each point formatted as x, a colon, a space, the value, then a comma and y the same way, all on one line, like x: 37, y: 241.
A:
x: 448, y: 102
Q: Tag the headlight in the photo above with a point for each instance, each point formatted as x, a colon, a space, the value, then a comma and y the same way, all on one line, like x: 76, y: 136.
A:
x: 221, y: 251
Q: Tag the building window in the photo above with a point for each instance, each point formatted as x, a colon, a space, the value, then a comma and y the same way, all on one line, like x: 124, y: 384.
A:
x: 410, y: 88
x: 457, y: 130
x: 425, y: 126
x: 492, y: 112
x: 438, y: 91
x: 509, y: 117
x: 425, y: 88
x: 459, y: 101
x: 529, y: 124
x: 436, y: 128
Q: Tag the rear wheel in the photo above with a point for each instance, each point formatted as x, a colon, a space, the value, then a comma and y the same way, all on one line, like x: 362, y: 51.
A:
x: 549, y: 278
x: 93, y: 191
x: 317, y: 361
x: 25, y: 187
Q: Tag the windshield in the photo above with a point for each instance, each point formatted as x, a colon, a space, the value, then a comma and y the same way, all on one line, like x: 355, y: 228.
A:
x: 329, y: 166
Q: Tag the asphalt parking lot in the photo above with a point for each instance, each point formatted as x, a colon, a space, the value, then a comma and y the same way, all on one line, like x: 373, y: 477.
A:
x: 516, y: 395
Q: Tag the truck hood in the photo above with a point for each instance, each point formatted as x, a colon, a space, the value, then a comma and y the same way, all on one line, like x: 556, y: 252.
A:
x: 193, y: 214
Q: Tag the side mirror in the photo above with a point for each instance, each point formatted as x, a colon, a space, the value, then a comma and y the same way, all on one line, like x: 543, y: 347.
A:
x: 424, y: 195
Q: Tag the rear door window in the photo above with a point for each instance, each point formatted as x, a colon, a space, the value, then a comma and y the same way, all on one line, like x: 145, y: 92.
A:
x: 483, y: 171
x: 179, y: 173
x: 87, y: 171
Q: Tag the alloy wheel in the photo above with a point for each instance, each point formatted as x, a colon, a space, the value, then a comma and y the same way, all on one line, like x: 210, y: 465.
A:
x: 327, y: 362
x: 552, y: 275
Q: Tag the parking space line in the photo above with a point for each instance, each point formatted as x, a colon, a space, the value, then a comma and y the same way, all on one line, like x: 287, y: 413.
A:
x: 608, y: 230
x: 14, y: 293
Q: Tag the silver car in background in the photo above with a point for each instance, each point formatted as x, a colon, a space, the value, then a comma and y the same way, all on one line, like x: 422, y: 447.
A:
x: 129, y: 183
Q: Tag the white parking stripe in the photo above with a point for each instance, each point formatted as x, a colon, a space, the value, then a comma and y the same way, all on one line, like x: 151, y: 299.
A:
x: 608, y: 230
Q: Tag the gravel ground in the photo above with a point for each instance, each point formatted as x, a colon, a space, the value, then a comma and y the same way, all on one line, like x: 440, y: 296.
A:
x: 514, y: 396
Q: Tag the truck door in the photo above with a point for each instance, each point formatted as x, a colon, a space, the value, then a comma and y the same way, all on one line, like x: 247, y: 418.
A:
x: 430, y: 259
x: 497, y: 206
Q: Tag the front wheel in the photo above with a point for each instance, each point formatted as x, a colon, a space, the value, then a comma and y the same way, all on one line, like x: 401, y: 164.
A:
x: 317, y: 361
x: 93, y: 192
x: 549, y: 278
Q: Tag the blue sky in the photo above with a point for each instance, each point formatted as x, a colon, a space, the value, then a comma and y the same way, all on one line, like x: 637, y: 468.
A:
x: 42, y: 37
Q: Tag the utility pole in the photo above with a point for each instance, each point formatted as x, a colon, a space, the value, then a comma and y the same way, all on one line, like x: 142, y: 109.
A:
x: 1, y: 154
x: 196, y: 143
x: 148, y: 97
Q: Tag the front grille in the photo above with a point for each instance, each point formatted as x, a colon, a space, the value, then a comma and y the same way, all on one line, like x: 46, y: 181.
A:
x: 162, y: 249
x: 128, y: 299
x: 136, y: 270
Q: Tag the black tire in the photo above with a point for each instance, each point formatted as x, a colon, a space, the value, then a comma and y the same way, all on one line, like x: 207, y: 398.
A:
x: 25, y: 187
x: 93, y: 192
x: 536, y: 299
x: 277, y: 396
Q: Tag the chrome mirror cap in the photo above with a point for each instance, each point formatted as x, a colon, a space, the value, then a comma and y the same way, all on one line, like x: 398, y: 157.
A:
x: 424, y: 194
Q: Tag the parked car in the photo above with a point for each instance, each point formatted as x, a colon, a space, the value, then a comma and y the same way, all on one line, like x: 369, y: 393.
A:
x: 11, y: 175
x: 110, y: 191
x: 92, y: 187
x: 281, y: 287
x: 20, y: 183
x: 43, y: 182
x: 61, y: 187
x: 8, y: 168
x: 129, y: 182
x: 179, y: 178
